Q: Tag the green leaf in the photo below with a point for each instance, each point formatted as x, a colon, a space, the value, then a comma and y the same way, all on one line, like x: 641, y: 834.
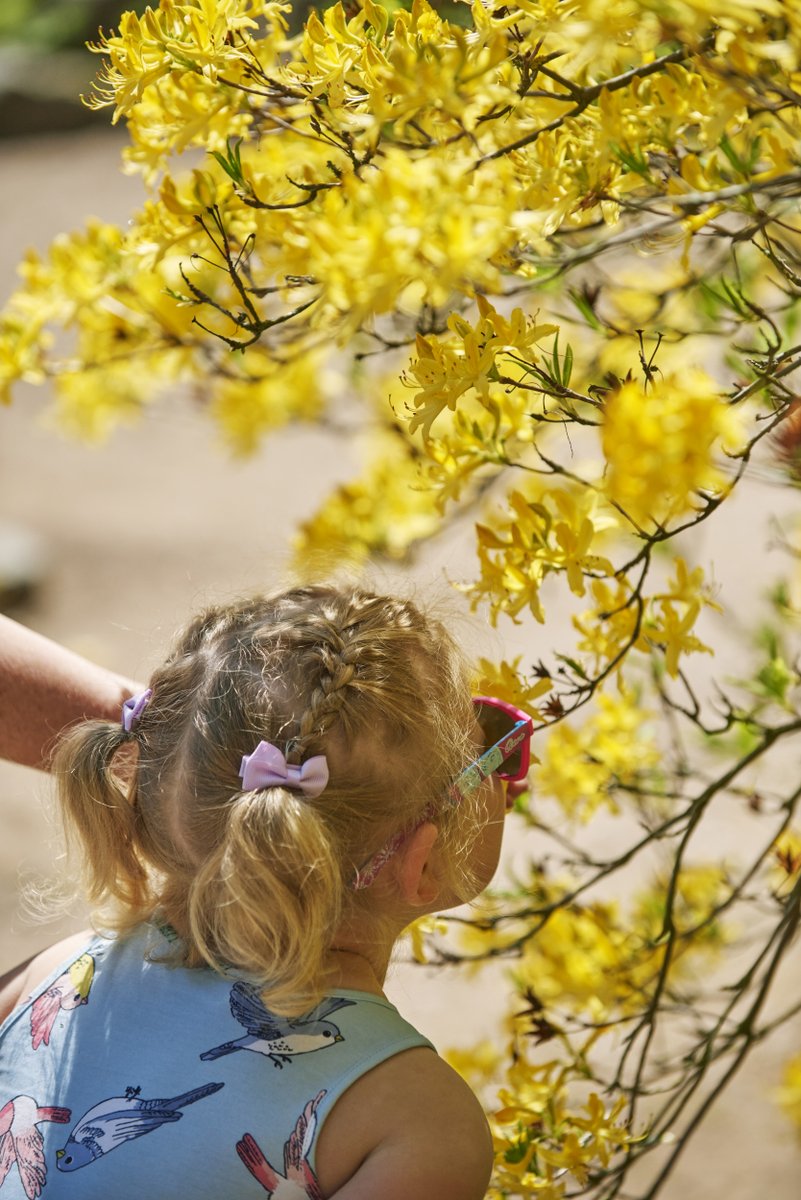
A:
x: 631, y: 160
x: 567, y: 366
x: 732, y: 155
x: 586, y: 309
x: 768, y: 638
x: 556, y: 371
x: 231, y: 161
x: 776, y: 677
x: 574, y: 665
x: 780, y: 597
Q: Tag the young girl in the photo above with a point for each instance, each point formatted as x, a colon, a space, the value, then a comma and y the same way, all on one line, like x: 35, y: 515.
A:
x: 304, y: 776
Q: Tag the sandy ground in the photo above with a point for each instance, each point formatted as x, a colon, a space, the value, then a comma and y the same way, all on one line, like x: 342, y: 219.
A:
x: 160, y: 520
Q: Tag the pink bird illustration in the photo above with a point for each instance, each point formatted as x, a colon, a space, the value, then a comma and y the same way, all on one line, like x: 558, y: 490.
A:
x: 67, y: 992
x: 298, y: 1181
x: 22, y: 1143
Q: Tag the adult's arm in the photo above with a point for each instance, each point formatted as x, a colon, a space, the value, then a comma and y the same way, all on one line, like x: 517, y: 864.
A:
x: 44, y: 689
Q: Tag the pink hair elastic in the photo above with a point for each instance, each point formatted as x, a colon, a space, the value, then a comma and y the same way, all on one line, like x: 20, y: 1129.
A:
x: 133, y: 708
x: 267, y: 767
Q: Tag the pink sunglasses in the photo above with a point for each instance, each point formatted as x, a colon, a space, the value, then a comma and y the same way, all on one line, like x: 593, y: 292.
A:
x: 507, y: 740
x: 507, y: 751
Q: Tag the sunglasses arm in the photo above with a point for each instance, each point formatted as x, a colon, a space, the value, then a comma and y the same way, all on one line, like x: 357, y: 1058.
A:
x: 473, y: 776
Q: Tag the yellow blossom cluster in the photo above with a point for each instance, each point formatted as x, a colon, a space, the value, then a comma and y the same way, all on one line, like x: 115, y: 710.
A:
x: 621, y: 619
x: 660, y: 441
x: 543, y: 1141
x: 390, y: 164
x: 403, y: 232
x: 269, y: 394
x: 507, y: 681
x: 551, y: 1129
x: 469, y: 361
x: 480, y: 440
x: 205, y: 37
x: 585, y: 766
x: 593, y: 959
x: 541, y: 531
x: 612, y: 626
x: 674, y: 612
x: 383, y: 512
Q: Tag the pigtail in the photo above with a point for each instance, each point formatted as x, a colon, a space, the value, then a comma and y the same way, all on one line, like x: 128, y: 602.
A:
x: 270, y: 896
x: 99, y: 813
x: 261, y: 880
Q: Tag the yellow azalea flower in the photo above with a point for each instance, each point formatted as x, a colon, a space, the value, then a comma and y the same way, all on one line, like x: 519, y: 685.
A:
x: 689, y: 587
x: 568, y: 774
x: 459, y: 461
x: 543, y: 531
x: 672, y: 632
x: 586, y: 960
x: 667, y: 620
x: 785, y: 861
x: 538, y: 1134
x: 446, y: 368
x: 571, y: 1156
x: 419, y: 930
x: 603, y: 1136
x: 22, y: 347
x: 473, y: 443
x: 660, y: 444
x: 609, y: 629
x: 788, y: 1096
x: 672, y: 615
x: 699, y: 890
x: 384, y: 512
x: 199, y: 36
x: 593, y: 959
x: 529, y: 1091
x: 506, y: 681
x: 478, y: 1064
x: 408, y: 233
x: 268, y: 394
x: 93, y: 405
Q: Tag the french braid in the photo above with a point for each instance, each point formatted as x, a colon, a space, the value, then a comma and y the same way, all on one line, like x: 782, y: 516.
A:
x: 337, y: 651
x: 260, y: 879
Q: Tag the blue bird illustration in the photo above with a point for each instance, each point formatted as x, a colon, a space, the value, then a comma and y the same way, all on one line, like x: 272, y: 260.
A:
x: 278, y: 1038
x: 120, y: 1119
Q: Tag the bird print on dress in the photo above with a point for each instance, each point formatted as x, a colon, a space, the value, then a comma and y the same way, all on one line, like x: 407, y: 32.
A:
x: 22, y: 1143
x: 298, y: 1181
x: 278, y: 1038
x: 120, y: 1119
x: 68, y: 992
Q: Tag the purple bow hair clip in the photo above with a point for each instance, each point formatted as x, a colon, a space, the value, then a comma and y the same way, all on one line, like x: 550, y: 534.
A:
x: 267, y: 767
x: 133, y: 708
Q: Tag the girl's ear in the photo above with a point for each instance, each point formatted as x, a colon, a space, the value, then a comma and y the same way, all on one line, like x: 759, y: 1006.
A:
x: 416, y: 875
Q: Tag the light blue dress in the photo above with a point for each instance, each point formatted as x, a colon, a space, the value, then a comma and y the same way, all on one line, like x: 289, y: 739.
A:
x: 125, y: 1077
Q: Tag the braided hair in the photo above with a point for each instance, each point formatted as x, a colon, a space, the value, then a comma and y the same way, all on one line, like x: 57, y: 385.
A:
x: 260, y: 879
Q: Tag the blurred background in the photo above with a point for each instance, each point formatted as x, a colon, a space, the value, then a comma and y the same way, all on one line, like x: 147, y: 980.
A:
x: 108, y: 548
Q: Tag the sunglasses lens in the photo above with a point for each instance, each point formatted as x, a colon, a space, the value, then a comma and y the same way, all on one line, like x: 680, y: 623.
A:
x: 495, y: 724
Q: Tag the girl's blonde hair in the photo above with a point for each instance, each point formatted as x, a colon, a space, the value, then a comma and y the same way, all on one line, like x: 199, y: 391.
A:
x: 260, y: 880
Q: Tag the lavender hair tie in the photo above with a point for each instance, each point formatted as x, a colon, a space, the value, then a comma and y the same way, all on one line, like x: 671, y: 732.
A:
x: 133, y: 708
x: 267, y: 767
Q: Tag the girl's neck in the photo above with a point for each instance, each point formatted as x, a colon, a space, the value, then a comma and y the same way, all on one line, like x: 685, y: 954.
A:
x: 362, y: 970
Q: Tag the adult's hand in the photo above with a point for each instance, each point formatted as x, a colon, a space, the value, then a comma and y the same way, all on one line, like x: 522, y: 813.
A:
x: 44, y: 689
